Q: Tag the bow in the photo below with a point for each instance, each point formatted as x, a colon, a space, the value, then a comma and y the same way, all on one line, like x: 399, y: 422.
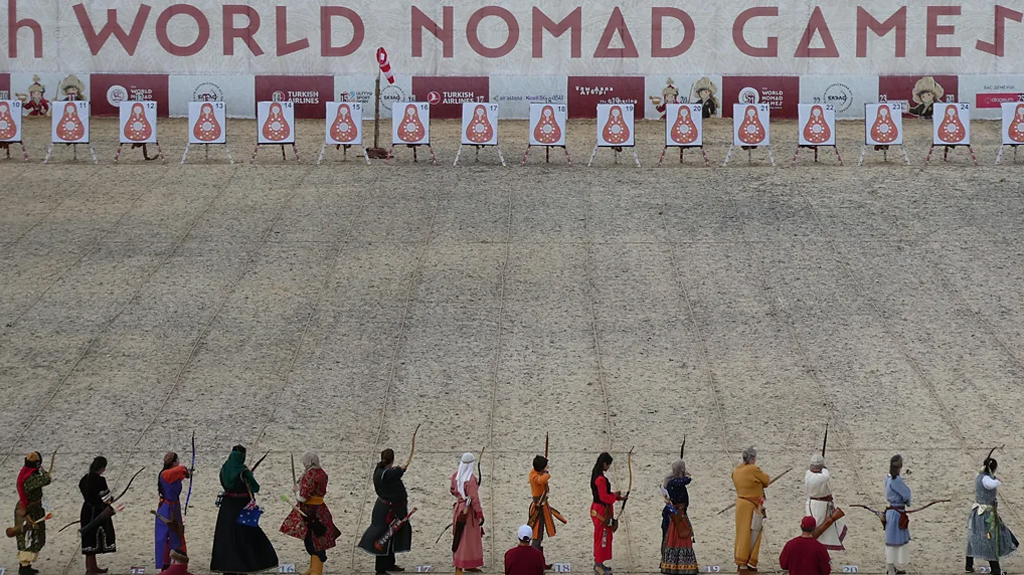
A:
x: 682, y: 448
x: 412, y: 448
x: 881, y: 514
x: 479, y: 469
x: 191, y: 470
x: 824, y: 443
x: 777, y: 477
x: 629, y: 488
x: 258, y: 462
x: 53, y: 459
x: 127, y: 487
x: 295, y: 480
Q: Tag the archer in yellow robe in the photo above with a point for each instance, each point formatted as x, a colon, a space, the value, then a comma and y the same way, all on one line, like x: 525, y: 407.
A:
x: 750, y: 482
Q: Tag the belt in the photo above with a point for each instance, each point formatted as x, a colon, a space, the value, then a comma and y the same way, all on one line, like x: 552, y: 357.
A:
x: 169, y: 502
x: 393, y: 503
x: 243, y: 494
x: 825, y: 498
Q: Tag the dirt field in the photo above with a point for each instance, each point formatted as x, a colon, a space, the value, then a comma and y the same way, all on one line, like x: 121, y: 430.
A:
x: 291, y: 307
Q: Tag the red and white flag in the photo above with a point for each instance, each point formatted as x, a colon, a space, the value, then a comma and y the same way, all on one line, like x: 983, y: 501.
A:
x: 385, y: 66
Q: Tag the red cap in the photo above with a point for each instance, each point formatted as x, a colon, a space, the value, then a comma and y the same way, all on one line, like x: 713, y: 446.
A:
x: 808, y: 523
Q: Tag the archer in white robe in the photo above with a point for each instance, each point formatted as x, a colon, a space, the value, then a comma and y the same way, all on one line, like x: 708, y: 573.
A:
x: 820, y: 506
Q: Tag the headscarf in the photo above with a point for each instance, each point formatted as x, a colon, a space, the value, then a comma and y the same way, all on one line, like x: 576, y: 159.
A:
x: 749, y: 454
x: 234, y: 468
x: 465, y: 473
x: 678, y: 472
x: 895, y: 465
x: 32, y: 462
x: 817, y: 460
x: 310, y: 460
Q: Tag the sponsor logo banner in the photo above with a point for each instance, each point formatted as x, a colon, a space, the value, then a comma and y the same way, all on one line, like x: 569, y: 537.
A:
x: 781, y: 93
x: 447, y: 94
x: 846, y: 94
x: 110, y: 90
x: 987, y: 94
x: 309, y: 94
x: 237, y: 91
x: 586, y: 92
x: 516, y: 93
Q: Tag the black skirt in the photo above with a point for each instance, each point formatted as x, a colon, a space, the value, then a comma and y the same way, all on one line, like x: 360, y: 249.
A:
x: 236, y: 547
x: 101, y: 538
x: 383, y: 514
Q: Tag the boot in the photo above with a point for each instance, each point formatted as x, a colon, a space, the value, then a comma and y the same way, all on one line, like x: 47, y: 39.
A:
x: 25, y: 570
x: 308, y: 570
x: 316, y: 566
x: 90, y: 565
x: 890, y: 569
x: 459, y: 571
x: 969, y: 565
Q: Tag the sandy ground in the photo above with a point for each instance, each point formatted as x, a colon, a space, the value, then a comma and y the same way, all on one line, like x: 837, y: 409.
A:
x: 290, y: 307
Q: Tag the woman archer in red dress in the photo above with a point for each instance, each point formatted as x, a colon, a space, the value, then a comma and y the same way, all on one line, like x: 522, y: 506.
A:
x: 315, y: 526
x: 602, y: 512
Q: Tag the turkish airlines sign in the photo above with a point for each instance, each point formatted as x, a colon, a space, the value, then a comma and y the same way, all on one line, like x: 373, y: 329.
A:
x: 444, y: 37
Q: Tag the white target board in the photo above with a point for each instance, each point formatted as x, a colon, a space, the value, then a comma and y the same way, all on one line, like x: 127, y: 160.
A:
x: 684, y: 126
x: 751, y: 125
x: 207, y: 123
x: 344, y: 124
x: 70, y: 122
x: 883, y: 124
x: 1013, y: 123
x: 410, y: 123
x: 275, y: 122
x: 817, y: 124
x: 479, y: 124
x: 951, y: 124
x: 138, y: 122
x: 10, y: 120
x: 547, y: 124
x: 615, y: 125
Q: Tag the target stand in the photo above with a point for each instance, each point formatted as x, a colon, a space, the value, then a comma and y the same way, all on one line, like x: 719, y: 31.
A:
x: 945, y: 152
x: 74, y: 152
x: 415, y: 158
x: 616, y: 149
x: 707, y: 164
x: 477, y: 148
x: 284, y: 153
x: 885, y: 153
x: 547, y: 154
x: 7, y: 146
x: 344, y: 152
x: 145, y: 152
x: 206, y: 149
x: 815, y: 148
x: 750, y: 154
x: 999, y: 156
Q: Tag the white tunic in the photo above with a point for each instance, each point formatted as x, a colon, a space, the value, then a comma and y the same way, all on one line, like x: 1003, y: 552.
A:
x: 818, y: 486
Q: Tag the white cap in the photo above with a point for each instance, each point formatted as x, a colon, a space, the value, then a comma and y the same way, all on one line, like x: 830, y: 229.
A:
x: 468, y: 458
x: 525, y: 532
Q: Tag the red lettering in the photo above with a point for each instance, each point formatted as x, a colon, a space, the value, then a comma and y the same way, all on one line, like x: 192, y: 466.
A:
x: 1002, y: 15
x: 573, y: 21
x: 473, y: 32
x: 817, y: 24
x: 616, y: 23
x: 129, y: 40
x: 442, y: 33
x: 932, y: 47
x: 658, y: 15
x: 284, y: 47
x: 185, y: 10
x: 246, y: 34
x: 13, y: 25
x: 898, y: 22
x: 327, y: 48
x: 771, y: 50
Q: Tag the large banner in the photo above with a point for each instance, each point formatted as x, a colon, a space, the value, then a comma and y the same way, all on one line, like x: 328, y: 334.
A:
x: 506, y: 37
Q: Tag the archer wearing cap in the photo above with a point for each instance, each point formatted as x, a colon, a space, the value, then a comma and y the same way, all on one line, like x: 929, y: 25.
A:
x: 805, y: 555
x: 523, y: 559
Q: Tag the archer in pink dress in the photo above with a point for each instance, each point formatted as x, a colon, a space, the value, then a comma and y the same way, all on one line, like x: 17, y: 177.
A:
x: 467, y: 518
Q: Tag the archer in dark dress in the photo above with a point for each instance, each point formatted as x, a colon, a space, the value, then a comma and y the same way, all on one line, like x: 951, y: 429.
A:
x: 239, y: 548
x: 97, y: 516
